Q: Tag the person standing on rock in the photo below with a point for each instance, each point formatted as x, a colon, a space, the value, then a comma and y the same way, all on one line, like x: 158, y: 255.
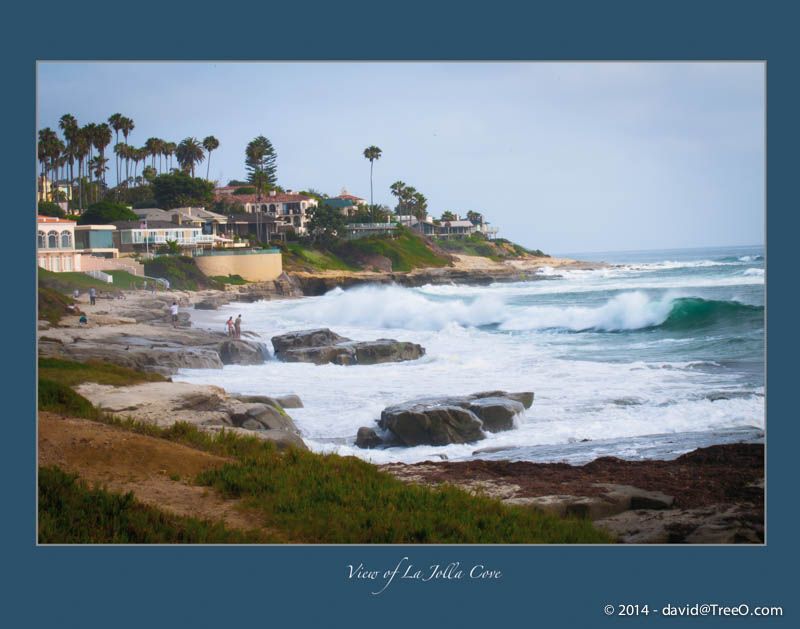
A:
x: 238, y: 326
x: 173, y: 310
x: 92, y: 295
x: 229, y: 323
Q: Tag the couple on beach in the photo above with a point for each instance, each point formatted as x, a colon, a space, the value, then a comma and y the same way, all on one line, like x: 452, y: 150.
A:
x: 234, y: 327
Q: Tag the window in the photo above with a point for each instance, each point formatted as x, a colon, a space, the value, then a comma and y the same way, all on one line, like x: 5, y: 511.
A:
x: 41, y: 243
x: 66, y: 240
x: 272, y: 208
x: 67, y: 264
x: 52, y: 240
x: 264, y: 208
x: 54, y: 264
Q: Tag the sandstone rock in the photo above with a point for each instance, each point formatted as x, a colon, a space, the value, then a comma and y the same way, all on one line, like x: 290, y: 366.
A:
x: 386, y: 350
x: 496, y: 413
x: 289, y: 401
x: 323, y: 346
x: 367, y: 438
x: 305, y: 338
x: 239, y: 352
x: 590, y: 507
x: 282, y: 440
x: 525, y: 398
x: 415, y: 424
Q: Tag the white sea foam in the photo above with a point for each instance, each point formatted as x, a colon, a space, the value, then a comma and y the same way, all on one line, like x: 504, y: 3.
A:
x: 508, y: 336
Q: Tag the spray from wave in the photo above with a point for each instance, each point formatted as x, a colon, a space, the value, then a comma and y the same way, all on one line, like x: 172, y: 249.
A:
x: 397, y: 307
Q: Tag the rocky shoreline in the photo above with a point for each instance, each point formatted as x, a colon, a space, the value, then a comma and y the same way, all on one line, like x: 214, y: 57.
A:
x: 712, y: 495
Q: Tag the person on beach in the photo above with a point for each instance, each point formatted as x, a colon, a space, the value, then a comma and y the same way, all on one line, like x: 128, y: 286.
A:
x: 83, y: 320
x: 92, y: 295
x: 173, y: 310
x: 238, y: 325
x: 229, y: 323
x: 76, y: 293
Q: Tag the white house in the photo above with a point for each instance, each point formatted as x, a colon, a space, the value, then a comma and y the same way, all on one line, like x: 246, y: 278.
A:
x: 55, y: 244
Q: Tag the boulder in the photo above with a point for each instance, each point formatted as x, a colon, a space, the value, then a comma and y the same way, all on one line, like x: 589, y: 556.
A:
x: 525, y: 397
x: 323, y: 346
x: 280, y: 401
x: 453, y: 419
x: 305, y: 338
x: 239, y: 352
x: 289, y: 401
x: 256, y: 416
x: 367, y: 438
x: 281, y: 439
x: 496, y: 413
x: 416, y: 424
x: 386, y: 351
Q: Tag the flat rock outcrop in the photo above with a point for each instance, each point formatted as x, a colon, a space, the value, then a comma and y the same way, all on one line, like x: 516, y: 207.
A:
x: 712, y: 495
x: 323, y: 346
x: 458, y: 419
x: 206, y: 406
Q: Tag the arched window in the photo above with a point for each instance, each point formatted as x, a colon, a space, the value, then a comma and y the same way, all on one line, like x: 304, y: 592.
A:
x: 52, y: 240
x: 41, y: 242
x: 66, y: 240
x: 272, y: 207
x: 264, y: 208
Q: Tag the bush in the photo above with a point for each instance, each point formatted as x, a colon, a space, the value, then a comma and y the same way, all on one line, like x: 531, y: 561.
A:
x: 246, y: 190
x: 106, y: 212
x: 46, y: 208
x: 59, y: 398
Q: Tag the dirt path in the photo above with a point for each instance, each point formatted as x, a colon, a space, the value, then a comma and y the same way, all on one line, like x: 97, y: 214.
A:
x: 124, y: 461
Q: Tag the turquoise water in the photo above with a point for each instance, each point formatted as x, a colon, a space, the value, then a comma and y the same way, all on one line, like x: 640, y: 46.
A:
x: 657, y: 354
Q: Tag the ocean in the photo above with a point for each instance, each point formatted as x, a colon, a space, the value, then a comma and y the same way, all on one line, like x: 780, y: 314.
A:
x: 654, y: 356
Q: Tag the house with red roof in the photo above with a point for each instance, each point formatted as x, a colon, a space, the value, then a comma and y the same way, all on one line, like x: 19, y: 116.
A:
x: 287, y: 208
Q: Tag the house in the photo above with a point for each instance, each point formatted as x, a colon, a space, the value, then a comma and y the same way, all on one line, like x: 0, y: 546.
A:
x: 288, y: 208
x: 361, y: 230
x: 456, y: 228
x: 96, y: 240
x: 211, y: 223
x: 264, y: 227
x: 144, y: 236
x: 55, y: 244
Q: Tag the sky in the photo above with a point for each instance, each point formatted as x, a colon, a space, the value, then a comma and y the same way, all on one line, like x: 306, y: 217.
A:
x: 562, y: 157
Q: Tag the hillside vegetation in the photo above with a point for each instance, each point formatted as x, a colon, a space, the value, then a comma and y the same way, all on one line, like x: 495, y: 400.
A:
x: 300, y: 495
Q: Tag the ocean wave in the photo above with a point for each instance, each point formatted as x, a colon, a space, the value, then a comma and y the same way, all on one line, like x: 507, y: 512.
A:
x: 754, y: 272
x: 388, y: 307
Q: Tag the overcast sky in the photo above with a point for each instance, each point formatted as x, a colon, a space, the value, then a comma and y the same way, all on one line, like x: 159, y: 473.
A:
x: 564, y: 157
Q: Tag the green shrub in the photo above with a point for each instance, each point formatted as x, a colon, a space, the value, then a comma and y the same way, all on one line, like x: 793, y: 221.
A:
x: 59, y: 398
x: 72, y: 513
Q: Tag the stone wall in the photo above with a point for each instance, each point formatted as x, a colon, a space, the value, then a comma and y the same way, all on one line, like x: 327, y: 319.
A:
x: 255, y: 267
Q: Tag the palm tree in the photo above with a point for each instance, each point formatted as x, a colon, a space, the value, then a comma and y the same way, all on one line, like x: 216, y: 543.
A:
x: 189, y: 152
x: 126, y: 126
x: 102, y: 138
x: 210, y: 143
x: 372, y: 153
x: 81, y: 152
x: 115, y: 120
x: 169, y: 151
x: 151, y: 145
x: 398, y: 190
x: 99, y: 168
x: 69, y: 126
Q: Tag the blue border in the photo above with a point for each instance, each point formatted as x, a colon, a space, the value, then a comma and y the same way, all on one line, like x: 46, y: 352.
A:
x: 561, y: 586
